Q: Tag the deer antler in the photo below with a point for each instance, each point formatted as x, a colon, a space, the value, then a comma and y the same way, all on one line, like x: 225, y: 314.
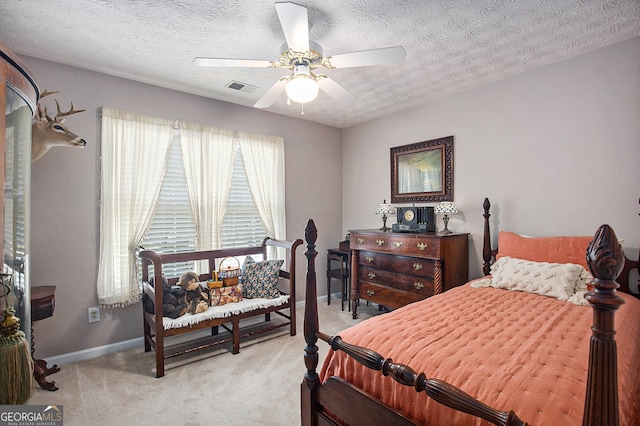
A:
x: 46, y: 93
x: 64, y: 114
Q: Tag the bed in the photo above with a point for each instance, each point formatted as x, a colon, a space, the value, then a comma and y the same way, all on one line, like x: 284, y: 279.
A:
x: 493, y: 350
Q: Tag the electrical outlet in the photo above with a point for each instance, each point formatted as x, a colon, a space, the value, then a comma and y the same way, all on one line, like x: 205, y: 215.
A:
x: 94, y: 314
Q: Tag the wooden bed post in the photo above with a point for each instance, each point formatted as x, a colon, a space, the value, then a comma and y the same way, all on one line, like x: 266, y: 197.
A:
x: 486, y: 243
x: 606, y: 260
x: 311, y: 381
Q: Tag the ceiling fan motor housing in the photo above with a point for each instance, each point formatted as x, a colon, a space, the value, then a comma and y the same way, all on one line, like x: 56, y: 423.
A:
x: 311, y: 58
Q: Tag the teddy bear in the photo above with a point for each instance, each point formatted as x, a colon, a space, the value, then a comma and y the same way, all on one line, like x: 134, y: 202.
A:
x: 196, y: 296
x: 174, y: 303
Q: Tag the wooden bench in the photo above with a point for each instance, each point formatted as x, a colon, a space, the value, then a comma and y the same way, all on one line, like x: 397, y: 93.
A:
x: 155, y: 331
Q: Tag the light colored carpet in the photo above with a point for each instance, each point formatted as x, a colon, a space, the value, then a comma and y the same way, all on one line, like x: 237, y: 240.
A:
x: 258, y: 386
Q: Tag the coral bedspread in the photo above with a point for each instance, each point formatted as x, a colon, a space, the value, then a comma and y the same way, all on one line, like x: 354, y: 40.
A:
x: 512, y: 350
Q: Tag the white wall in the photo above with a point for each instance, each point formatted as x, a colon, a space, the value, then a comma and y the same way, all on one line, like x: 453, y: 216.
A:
x: 66, y: 188
x: 556, y: 150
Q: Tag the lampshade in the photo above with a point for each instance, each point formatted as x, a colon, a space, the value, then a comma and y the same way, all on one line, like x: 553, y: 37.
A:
x: 302, y: 87
x: 445, y: 207
x: 385, y: 208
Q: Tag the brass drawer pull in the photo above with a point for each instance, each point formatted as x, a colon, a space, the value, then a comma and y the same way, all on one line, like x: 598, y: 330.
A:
x: 398, y: 244
x: 371, y: 275
x: 369, y: 259
x: 370, y: 292
x: 379, y: 242
x: 360, y: 240
x: 417, y: 266
x: 418, y: 285
x: 421, y: 246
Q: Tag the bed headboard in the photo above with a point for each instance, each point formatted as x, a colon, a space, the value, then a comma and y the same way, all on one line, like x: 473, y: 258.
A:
x: 556, y: 249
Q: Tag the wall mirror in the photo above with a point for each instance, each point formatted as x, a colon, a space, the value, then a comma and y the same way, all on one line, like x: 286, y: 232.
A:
x: 423, y: 171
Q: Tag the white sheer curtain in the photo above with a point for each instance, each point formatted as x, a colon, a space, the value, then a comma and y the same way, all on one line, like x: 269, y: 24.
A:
x: 432, y: 181
x: 264, y: 162
x: 134, y: 149
x: 208, y: 163
x: 410, y: 179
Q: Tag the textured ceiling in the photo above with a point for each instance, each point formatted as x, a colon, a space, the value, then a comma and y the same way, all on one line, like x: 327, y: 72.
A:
x: 451, y: 45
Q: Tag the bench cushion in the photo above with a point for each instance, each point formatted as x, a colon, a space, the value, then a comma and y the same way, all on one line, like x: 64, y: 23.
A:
x: 224, y: 311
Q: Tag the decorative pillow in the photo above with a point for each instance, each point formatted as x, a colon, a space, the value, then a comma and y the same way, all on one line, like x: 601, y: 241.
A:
x: 544, y: 249
x: 224, y: 295
x: 562, y: 281
x: 260, y: 279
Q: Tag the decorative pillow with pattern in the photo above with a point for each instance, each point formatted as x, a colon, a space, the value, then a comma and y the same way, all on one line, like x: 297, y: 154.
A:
x: 562, y: 281
x: 260, y: 279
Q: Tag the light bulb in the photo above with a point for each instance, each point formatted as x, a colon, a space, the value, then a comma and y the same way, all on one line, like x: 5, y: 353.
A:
x: 302, y: 87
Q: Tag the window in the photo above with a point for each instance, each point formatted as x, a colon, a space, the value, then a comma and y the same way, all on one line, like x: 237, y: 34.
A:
x: 227, y: 190
x: 173, y: 228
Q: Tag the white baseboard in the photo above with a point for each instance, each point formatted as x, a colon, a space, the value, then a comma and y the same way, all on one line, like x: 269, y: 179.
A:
x: 300, y: 303
x: 95, y: 352
x: 126, y: 345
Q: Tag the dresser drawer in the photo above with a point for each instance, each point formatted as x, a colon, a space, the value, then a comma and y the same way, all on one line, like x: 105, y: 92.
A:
x: 420, y: 285
x: 370, y: 242
x: 386, y: 296
x: 415, y: 246
x: 403, y: 264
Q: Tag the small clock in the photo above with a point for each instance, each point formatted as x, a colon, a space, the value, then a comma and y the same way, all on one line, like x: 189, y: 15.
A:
x: 414, y: 219
x: 408, y: 215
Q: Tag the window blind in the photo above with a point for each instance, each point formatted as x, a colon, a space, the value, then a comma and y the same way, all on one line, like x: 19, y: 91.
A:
x: 241, y: 226
x: 173, y: 227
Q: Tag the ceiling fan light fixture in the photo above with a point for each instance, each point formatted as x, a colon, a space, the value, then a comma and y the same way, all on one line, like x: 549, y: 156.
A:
x: 302, y: 87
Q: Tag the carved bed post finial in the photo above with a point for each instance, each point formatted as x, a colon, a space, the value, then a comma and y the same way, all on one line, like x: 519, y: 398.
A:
x: 605, y: 259
x: 486, y: 244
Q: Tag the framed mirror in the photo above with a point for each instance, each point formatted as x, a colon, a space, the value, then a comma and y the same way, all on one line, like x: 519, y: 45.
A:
x: 422, y: 172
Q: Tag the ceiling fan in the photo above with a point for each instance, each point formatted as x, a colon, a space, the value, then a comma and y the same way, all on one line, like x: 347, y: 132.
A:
x: 303, y: 56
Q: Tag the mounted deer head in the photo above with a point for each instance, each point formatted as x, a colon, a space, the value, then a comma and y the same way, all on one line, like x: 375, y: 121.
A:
x: 47, y: 132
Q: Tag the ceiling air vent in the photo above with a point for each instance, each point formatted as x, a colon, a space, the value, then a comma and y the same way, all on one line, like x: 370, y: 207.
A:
x: 242, y: 87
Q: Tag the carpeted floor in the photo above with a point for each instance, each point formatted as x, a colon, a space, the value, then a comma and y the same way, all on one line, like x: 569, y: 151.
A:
x: 258, y: 386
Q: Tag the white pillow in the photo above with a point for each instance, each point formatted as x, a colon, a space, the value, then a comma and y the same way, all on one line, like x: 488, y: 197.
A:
x: 563, y: 281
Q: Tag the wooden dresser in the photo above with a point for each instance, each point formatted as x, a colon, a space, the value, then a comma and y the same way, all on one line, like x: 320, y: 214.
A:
x: 395, y: 269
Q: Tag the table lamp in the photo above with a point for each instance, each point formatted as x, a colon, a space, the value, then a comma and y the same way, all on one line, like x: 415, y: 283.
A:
x: 384, y: 209
x: 445, y: 208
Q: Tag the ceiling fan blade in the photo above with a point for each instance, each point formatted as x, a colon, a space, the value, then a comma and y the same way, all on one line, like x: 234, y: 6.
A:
x: 337, y: 92
x: 295, y: 24
x: 272, y: 94
x: 383, y: 56
x: 226, y: 62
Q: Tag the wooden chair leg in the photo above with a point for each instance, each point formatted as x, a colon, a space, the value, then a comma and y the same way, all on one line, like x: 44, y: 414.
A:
x: 348, y: 285
x: 342, y: 292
